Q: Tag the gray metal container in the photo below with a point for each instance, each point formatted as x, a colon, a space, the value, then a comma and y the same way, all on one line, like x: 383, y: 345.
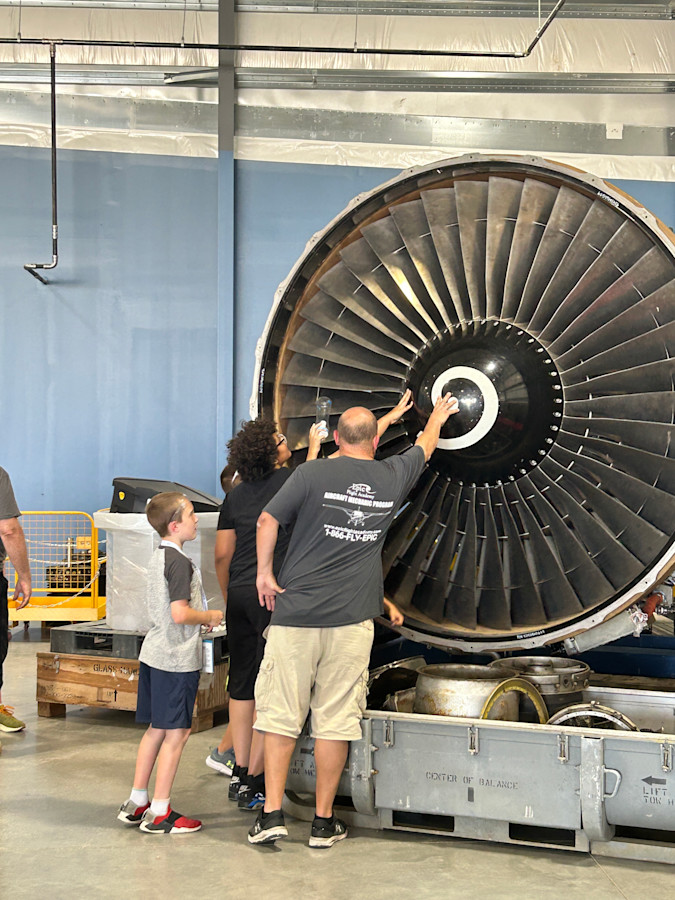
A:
x: 451, y: 689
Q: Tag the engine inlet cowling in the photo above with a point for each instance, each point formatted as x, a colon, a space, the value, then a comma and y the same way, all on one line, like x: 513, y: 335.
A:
x: 544, y: 299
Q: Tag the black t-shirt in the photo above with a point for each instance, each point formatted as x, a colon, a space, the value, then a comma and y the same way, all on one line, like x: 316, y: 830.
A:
x: 341, y: 510
x: 240, y: 511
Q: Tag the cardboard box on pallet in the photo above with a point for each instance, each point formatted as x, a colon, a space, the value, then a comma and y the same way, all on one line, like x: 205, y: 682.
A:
x: 130, y: 542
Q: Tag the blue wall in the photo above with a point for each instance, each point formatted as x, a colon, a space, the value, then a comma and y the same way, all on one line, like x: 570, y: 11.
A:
x: 278, y: 209
x: 655, y: 196
x: 122, y: 366
x: 109, y: 370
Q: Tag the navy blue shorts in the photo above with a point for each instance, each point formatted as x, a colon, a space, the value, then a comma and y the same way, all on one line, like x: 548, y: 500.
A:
x: 166, y: 699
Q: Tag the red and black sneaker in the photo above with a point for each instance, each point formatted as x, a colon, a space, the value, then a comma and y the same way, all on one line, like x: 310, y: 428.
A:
x: 130, y: 813
x: 171, y: 823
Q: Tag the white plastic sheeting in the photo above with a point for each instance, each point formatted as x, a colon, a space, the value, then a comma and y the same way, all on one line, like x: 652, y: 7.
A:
x: 506, y: 110
x: 650, y: 110
x: 109, y: 140
x: 569, y: 45
x: 155, y: 143
x: 599, y: 45
x: 159, y: 121
x: 130, y: 542
x: 108, y: 25
x: 646, y: 168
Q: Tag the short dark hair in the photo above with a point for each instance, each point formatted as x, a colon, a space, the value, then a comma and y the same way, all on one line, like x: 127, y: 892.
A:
x: 253, y: 450
x: 229, y: 478
x: 361, y: 431
x: 164, y: 509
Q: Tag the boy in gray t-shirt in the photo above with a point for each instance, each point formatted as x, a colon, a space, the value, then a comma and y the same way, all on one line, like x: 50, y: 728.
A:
x: 170, y: 661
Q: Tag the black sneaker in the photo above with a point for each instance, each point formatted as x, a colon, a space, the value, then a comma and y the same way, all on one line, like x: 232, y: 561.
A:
x: 268, y: 828
x: 238, y: 779
x: 252, y: 794
x: 326, y: 832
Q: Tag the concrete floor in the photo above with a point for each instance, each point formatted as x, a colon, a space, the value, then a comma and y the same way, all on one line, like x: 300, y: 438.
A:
x: 62, y: 781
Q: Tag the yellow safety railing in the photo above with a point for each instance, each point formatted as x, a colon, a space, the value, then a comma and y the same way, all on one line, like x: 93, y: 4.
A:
x: 63, y: 552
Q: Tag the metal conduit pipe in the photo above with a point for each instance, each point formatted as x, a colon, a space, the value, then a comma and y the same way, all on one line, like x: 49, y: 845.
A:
x: 33, y: 267
x: 183, y: 45
x: 282, y: 48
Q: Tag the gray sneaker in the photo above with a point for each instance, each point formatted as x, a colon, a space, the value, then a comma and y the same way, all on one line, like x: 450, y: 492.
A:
x: 131, y: 814
x: 221, y: 762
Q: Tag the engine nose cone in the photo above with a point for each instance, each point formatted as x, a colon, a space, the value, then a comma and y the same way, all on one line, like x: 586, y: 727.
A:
x: 510, y: 401
x: 468, y: 386
x: 478, y: 406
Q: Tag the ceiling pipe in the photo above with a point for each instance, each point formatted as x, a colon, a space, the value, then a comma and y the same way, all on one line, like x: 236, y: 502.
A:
x: 183, y: 45
x: 33, y: 267
x: 282, y: 48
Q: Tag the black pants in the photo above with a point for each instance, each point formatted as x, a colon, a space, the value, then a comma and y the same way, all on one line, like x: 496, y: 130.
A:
x: 4, y: 623
x: 246, y: 620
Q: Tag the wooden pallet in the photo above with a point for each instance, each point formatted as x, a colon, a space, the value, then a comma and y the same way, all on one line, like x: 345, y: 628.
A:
x: 112, y: 683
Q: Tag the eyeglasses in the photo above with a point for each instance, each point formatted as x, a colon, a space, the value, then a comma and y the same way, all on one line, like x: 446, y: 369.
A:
x: 282, y: 439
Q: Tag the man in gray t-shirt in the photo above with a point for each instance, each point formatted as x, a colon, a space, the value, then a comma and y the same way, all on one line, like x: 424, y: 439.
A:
x: 341, y: 510
x: 12, y: 544
x: 329, y: 590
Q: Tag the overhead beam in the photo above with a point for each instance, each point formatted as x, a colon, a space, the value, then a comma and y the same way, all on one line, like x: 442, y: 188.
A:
x: 574, y: 9
x: 581, y: 9
x: 351, y: 79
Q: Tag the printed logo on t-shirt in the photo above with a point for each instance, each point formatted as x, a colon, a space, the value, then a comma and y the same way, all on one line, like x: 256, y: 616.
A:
x: 362, y: 491
x: 351, y: 503
x: 355, y: 516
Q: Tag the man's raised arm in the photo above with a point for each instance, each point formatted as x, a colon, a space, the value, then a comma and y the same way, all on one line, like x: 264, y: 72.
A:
x: 393, y: 416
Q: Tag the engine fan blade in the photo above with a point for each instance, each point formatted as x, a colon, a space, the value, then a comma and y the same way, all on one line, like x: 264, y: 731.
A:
x: 440, y: 207
x: 536, y: 203
x: 504, y: 196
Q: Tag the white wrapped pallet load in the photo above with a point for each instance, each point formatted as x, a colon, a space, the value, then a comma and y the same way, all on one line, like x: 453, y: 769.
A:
x: 130, y: 542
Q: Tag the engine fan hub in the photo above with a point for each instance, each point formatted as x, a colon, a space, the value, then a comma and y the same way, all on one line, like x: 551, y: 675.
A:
x: 510, y: 401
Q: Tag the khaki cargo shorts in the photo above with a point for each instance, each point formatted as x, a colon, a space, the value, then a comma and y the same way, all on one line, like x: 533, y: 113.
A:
x: 324, y: 670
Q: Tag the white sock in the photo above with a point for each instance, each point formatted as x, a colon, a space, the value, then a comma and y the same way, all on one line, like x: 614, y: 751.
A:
x: 139, y: 797
x: 159, y: 807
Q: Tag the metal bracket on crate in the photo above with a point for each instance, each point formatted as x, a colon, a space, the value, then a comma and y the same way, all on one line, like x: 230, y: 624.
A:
x: 388, y: 733
x: 592, y: 790
x: 362, y: 772
x: 667, y: 757
x: 564, y: 748
x: 608, y: 795
x: 474, y: 740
